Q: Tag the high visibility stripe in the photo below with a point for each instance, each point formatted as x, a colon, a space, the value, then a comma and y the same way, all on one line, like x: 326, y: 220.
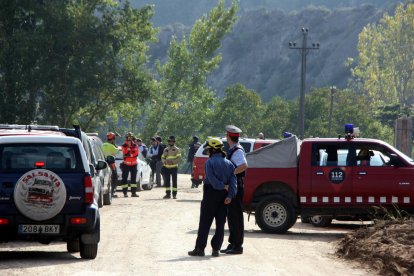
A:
x: 134, y: 185
x: 356, y: 199
x: 124, y: 186
x: 174, y: 189
x: 168, y: 188
x: 171, y: 166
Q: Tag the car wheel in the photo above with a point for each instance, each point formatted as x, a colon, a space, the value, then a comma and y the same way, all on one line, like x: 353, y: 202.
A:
x: 88, y: 251
x: 149, y: 185
x: 107, y: 198
x: 33, y: 206
x: 100, y: 199
x: 320, y: 221
x: 275, y: 214
x: 73, y: 245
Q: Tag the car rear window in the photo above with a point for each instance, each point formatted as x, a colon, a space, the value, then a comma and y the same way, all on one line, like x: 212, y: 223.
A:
x: 56, y: 157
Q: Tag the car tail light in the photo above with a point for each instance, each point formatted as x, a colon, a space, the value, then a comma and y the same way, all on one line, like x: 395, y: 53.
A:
x: 4, y: 221
x: 78, y: 220
x: 39, y: 164
x: 87, y: 183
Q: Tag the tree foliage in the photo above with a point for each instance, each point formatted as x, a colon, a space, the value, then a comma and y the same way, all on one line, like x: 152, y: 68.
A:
x: 71, y: 60
x: 386, y: 52
x: 181, y: 102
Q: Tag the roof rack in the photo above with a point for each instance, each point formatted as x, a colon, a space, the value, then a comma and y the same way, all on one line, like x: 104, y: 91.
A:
x: 28, y: 127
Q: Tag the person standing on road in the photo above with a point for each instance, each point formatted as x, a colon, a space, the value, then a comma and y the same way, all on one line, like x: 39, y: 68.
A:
x: 159, y: 165
x: 110, y: 150
x: 152, y: 156
x: 235, y: 218
x: 192, y: 149
x: 219, y: 189
x: 130, y: 151
x: 143, y: 149
x: 171, y: 158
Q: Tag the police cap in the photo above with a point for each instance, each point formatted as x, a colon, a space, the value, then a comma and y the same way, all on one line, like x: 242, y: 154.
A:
x: 233, y: 131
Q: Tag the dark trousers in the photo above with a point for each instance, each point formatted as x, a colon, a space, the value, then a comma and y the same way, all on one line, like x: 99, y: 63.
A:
x: 114, y: 179
x: 170, y: 173
x: 235, y: 217
x: 125, y: 173
x: 212, y: 207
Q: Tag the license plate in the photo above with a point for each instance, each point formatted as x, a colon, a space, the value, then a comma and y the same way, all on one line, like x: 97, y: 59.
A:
x: 39, y: 229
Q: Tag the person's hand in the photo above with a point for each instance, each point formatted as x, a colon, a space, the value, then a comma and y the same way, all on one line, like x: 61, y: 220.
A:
x: 227, y: 200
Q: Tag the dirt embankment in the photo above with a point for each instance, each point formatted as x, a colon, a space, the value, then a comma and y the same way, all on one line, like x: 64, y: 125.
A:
x: 388, y: 246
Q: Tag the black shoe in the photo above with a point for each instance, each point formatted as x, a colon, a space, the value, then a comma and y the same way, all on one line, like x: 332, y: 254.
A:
x: 167, y: 197
x: 227, y: 249
x: 196, y: 252
x: 215, y: 253
x: 125, y: 195
x: 174, y: 196
x: 238, y: 250
x: 134, y: 195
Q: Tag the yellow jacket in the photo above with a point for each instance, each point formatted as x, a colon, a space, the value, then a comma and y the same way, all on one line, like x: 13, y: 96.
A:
x: 171, y: 157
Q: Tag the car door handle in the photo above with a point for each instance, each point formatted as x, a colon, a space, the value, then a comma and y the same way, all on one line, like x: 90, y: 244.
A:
x: 319, y: 173
x: 362, y: 173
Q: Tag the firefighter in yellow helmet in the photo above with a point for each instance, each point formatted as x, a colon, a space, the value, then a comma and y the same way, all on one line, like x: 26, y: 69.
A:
x: 171, y: 158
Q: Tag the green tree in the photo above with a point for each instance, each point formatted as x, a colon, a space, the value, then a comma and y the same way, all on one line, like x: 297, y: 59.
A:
x: 182, y: 101
x: 386, y: 51
x: 275, y: 118
x: 239, y: 106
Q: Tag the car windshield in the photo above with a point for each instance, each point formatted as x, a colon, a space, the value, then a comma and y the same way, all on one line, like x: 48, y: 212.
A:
x: 24, y: 157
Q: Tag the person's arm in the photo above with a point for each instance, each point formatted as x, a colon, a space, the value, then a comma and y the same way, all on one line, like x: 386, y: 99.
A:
x: 232, y: 190
x: 241, y: 168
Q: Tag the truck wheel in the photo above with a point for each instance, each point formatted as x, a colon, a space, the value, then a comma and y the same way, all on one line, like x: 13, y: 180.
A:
x: 320, y: 221
x: 88, y: 251
x: 73, y: 245
x: 275, y: 214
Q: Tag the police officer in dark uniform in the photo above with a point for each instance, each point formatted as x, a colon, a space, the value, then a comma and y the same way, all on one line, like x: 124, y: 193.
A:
x: 219, y: 190
x: 235, y: 219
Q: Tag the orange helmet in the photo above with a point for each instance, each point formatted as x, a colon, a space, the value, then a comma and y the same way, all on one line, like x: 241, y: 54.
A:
x: 110, y: 136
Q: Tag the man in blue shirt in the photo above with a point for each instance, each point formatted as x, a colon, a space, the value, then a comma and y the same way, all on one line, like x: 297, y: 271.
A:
x: 219, y: 189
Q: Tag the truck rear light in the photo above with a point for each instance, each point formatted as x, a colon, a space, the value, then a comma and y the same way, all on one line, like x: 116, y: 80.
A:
x: 87, y: 183
x: 78, y: 220
x: 4, y: 221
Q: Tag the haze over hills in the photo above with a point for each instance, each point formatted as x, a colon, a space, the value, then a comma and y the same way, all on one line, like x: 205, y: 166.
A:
x: 256, y: 52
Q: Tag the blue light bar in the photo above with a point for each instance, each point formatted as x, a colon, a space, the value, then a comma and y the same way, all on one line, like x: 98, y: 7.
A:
x: 349, y: 128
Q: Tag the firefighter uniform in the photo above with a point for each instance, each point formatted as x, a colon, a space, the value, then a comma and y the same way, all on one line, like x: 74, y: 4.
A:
x: 129, y: 166
x: 171, y: 158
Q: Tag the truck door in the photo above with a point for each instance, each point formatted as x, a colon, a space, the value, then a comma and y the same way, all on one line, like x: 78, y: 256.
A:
x: 331, y: 174
x: 376, y: 181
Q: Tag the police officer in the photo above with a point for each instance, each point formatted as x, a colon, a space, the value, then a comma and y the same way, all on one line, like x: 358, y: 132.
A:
x: 219, y: 189
x: 110, y: 151
x: 235, y: 219
x: 130, y: 151
x: 171, y: 157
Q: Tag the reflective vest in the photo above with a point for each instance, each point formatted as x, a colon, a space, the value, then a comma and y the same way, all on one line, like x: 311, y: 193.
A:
x: 130, y: 154
x: 109, y: 149
x: 171, y: 157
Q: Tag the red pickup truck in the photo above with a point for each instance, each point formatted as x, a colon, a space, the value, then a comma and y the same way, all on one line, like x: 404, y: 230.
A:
x: 326, y: 178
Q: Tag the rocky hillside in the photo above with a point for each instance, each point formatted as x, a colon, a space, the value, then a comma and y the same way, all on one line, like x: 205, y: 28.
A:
x: 256, y: 53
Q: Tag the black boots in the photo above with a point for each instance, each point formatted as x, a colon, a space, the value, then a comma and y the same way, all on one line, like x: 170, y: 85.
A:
x: 196, y: 252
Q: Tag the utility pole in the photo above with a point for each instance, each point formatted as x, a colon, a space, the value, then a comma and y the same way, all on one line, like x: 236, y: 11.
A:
x: 333, y: 90
x: 304, y: 51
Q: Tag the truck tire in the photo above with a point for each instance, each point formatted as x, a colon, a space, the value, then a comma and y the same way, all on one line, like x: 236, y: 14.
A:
x: 73, y: 245
x: 321, y: 221
x: 88, y: 251
x: 275, y: 214
x: 39, y: 194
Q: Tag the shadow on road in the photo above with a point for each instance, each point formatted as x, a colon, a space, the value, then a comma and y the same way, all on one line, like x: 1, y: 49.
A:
x: 36, y: 258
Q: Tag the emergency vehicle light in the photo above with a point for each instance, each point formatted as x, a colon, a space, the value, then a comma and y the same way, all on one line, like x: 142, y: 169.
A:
x: 349, y: 128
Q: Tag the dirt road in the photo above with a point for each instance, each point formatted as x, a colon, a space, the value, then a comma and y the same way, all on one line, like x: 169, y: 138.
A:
x: 151, y: 236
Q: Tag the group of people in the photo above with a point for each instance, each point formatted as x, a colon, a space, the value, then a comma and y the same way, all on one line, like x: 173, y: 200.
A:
x: 163, y: 160
x: 223, y: 185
